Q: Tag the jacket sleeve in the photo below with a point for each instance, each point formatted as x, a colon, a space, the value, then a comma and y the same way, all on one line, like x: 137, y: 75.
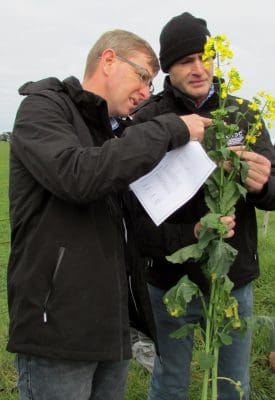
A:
x: 48, y: 145
x: 266, y: 199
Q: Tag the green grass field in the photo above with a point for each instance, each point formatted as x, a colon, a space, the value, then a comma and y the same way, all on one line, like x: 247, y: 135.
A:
x: 262, y: 379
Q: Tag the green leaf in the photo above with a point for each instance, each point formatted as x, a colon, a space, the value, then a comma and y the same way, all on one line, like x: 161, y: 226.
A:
x: 183, y: 331
x: 205, y: 237
x: 221, y: 257
x: 209, y: 134
x: 211, y: 220
x: 227, y: 284
x: 211, y: 203
x: 189, y: 252
x: 239, y: 117
x: 231, y: 109
x: 206, y: 360
x: 212, y: 192
x: 244, y: 170
x: 235, y: 160
x: 225, y: 339
x: 233, y: 128
x: 242, y: 190
x: 177, y: 298
x: 229, y: 198
x: 210, y: 224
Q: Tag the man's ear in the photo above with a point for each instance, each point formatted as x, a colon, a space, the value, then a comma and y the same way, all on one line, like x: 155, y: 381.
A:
x: 108, y: 58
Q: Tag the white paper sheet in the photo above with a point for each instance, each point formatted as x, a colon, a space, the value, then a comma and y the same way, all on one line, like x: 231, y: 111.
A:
x: 174, y: 181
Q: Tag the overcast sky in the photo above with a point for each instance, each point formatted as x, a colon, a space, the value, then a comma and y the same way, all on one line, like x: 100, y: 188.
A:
x: 41, y: 38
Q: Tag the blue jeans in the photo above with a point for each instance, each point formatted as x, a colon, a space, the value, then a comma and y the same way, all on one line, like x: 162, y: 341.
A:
x: 171, y: 374
x: 48, y: 379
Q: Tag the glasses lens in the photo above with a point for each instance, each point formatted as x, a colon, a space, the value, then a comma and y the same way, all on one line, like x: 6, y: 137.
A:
x: 146, y: 79
x: 143, y: 75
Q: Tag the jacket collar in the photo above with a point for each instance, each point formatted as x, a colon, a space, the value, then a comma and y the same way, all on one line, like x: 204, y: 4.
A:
x: 93, y: 109
x: 80, y: 96
x: 184, y: 101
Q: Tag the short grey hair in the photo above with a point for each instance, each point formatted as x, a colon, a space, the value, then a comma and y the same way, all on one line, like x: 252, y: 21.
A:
x: 125, y: 44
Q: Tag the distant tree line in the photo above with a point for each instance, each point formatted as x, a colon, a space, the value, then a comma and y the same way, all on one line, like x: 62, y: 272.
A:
x: 5, y: 136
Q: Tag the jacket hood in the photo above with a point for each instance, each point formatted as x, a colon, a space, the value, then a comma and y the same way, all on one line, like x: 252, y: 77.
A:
x: 34, y: 87
x: 70, y: 85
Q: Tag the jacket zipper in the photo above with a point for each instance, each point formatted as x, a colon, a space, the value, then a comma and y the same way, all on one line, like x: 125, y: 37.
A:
x: 59, y: 259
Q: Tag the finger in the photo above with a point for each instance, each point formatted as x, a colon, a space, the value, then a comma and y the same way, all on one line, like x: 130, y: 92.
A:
x: 253, y: 186
x: 259, y: 169
x: 229, y: 234
x: 236, y: 148
x: 254, y: 157
x: 228, y: 219
x: 197, y: 229
x: 255, y: 182
x: 206, y: 121
x: 230, y: 224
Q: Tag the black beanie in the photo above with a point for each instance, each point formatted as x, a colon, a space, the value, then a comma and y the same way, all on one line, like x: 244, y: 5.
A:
x: 181, y: 36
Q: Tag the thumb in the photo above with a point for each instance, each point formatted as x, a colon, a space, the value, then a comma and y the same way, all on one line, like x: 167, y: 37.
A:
x: 206, y: 121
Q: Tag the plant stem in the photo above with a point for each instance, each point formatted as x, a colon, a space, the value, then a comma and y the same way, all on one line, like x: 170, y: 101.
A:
x: 214, y: 370
x: 208, y: 340
x: 215, y: 374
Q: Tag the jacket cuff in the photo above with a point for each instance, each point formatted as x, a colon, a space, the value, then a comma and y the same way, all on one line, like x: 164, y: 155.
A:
x: 177, y: 128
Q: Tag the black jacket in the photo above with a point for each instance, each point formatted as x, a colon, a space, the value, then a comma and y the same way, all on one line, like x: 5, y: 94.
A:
x: 67, y: 287
x: 158, y: 242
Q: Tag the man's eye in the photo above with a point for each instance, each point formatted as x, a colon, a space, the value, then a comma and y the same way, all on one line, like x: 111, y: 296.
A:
x: 144, y: 78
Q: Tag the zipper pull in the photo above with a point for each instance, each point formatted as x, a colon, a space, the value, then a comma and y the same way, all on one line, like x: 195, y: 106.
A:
x: 45, y: 318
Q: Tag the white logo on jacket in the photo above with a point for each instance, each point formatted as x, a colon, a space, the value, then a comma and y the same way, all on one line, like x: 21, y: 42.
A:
x: 236, y: 139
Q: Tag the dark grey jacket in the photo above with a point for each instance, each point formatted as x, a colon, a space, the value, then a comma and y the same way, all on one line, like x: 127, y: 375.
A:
x: 158, y: 242
x: 67, y: 288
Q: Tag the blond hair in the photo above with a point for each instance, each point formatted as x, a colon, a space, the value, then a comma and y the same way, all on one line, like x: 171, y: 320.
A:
x: 125, y: 44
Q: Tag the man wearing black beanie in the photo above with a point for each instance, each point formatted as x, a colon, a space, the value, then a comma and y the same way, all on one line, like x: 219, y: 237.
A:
x: 181, y: 36
x: 189, y: 88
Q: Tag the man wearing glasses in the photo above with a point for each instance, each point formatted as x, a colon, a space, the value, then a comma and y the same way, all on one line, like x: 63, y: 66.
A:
x: 67, y: 286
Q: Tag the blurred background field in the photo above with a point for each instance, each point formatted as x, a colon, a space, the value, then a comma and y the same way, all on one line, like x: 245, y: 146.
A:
x: 262, y: 378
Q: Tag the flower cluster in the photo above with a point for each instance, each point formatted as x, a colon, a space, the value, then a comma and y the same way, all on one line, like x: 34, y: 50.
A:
x: 263, y: 104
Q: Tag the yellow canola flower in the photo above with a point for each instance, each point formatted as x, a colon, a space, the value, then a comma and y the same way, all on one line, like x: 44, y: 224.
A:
x: 236, y: 324
x: 251, y: 139
x: 258, y: 126
x: 222, y: 47
x: 218, y: 72
x: 228, y: 312
x: 209, y: 50
x: 223, y: 90
x: 253, y: 106
x: 213, y: 276
x: 235, y: 81
x: 271, y: 108
x: 239, y: 101
x: 175, y: 312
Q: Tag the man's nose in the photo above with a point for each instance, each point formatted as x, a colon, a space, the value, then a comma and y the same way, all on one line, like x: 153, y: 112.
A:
x: 198, y: 66
x: 145, y: 92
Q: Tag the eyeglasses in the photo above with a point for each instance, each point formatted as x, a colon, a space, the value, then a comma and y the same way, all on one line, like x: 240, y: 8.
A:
x: 143, y: 74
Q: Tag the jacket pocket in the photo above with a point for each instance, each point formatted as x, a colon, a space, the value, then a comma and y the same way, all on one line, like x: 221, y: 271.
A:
x: 60, y: 256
